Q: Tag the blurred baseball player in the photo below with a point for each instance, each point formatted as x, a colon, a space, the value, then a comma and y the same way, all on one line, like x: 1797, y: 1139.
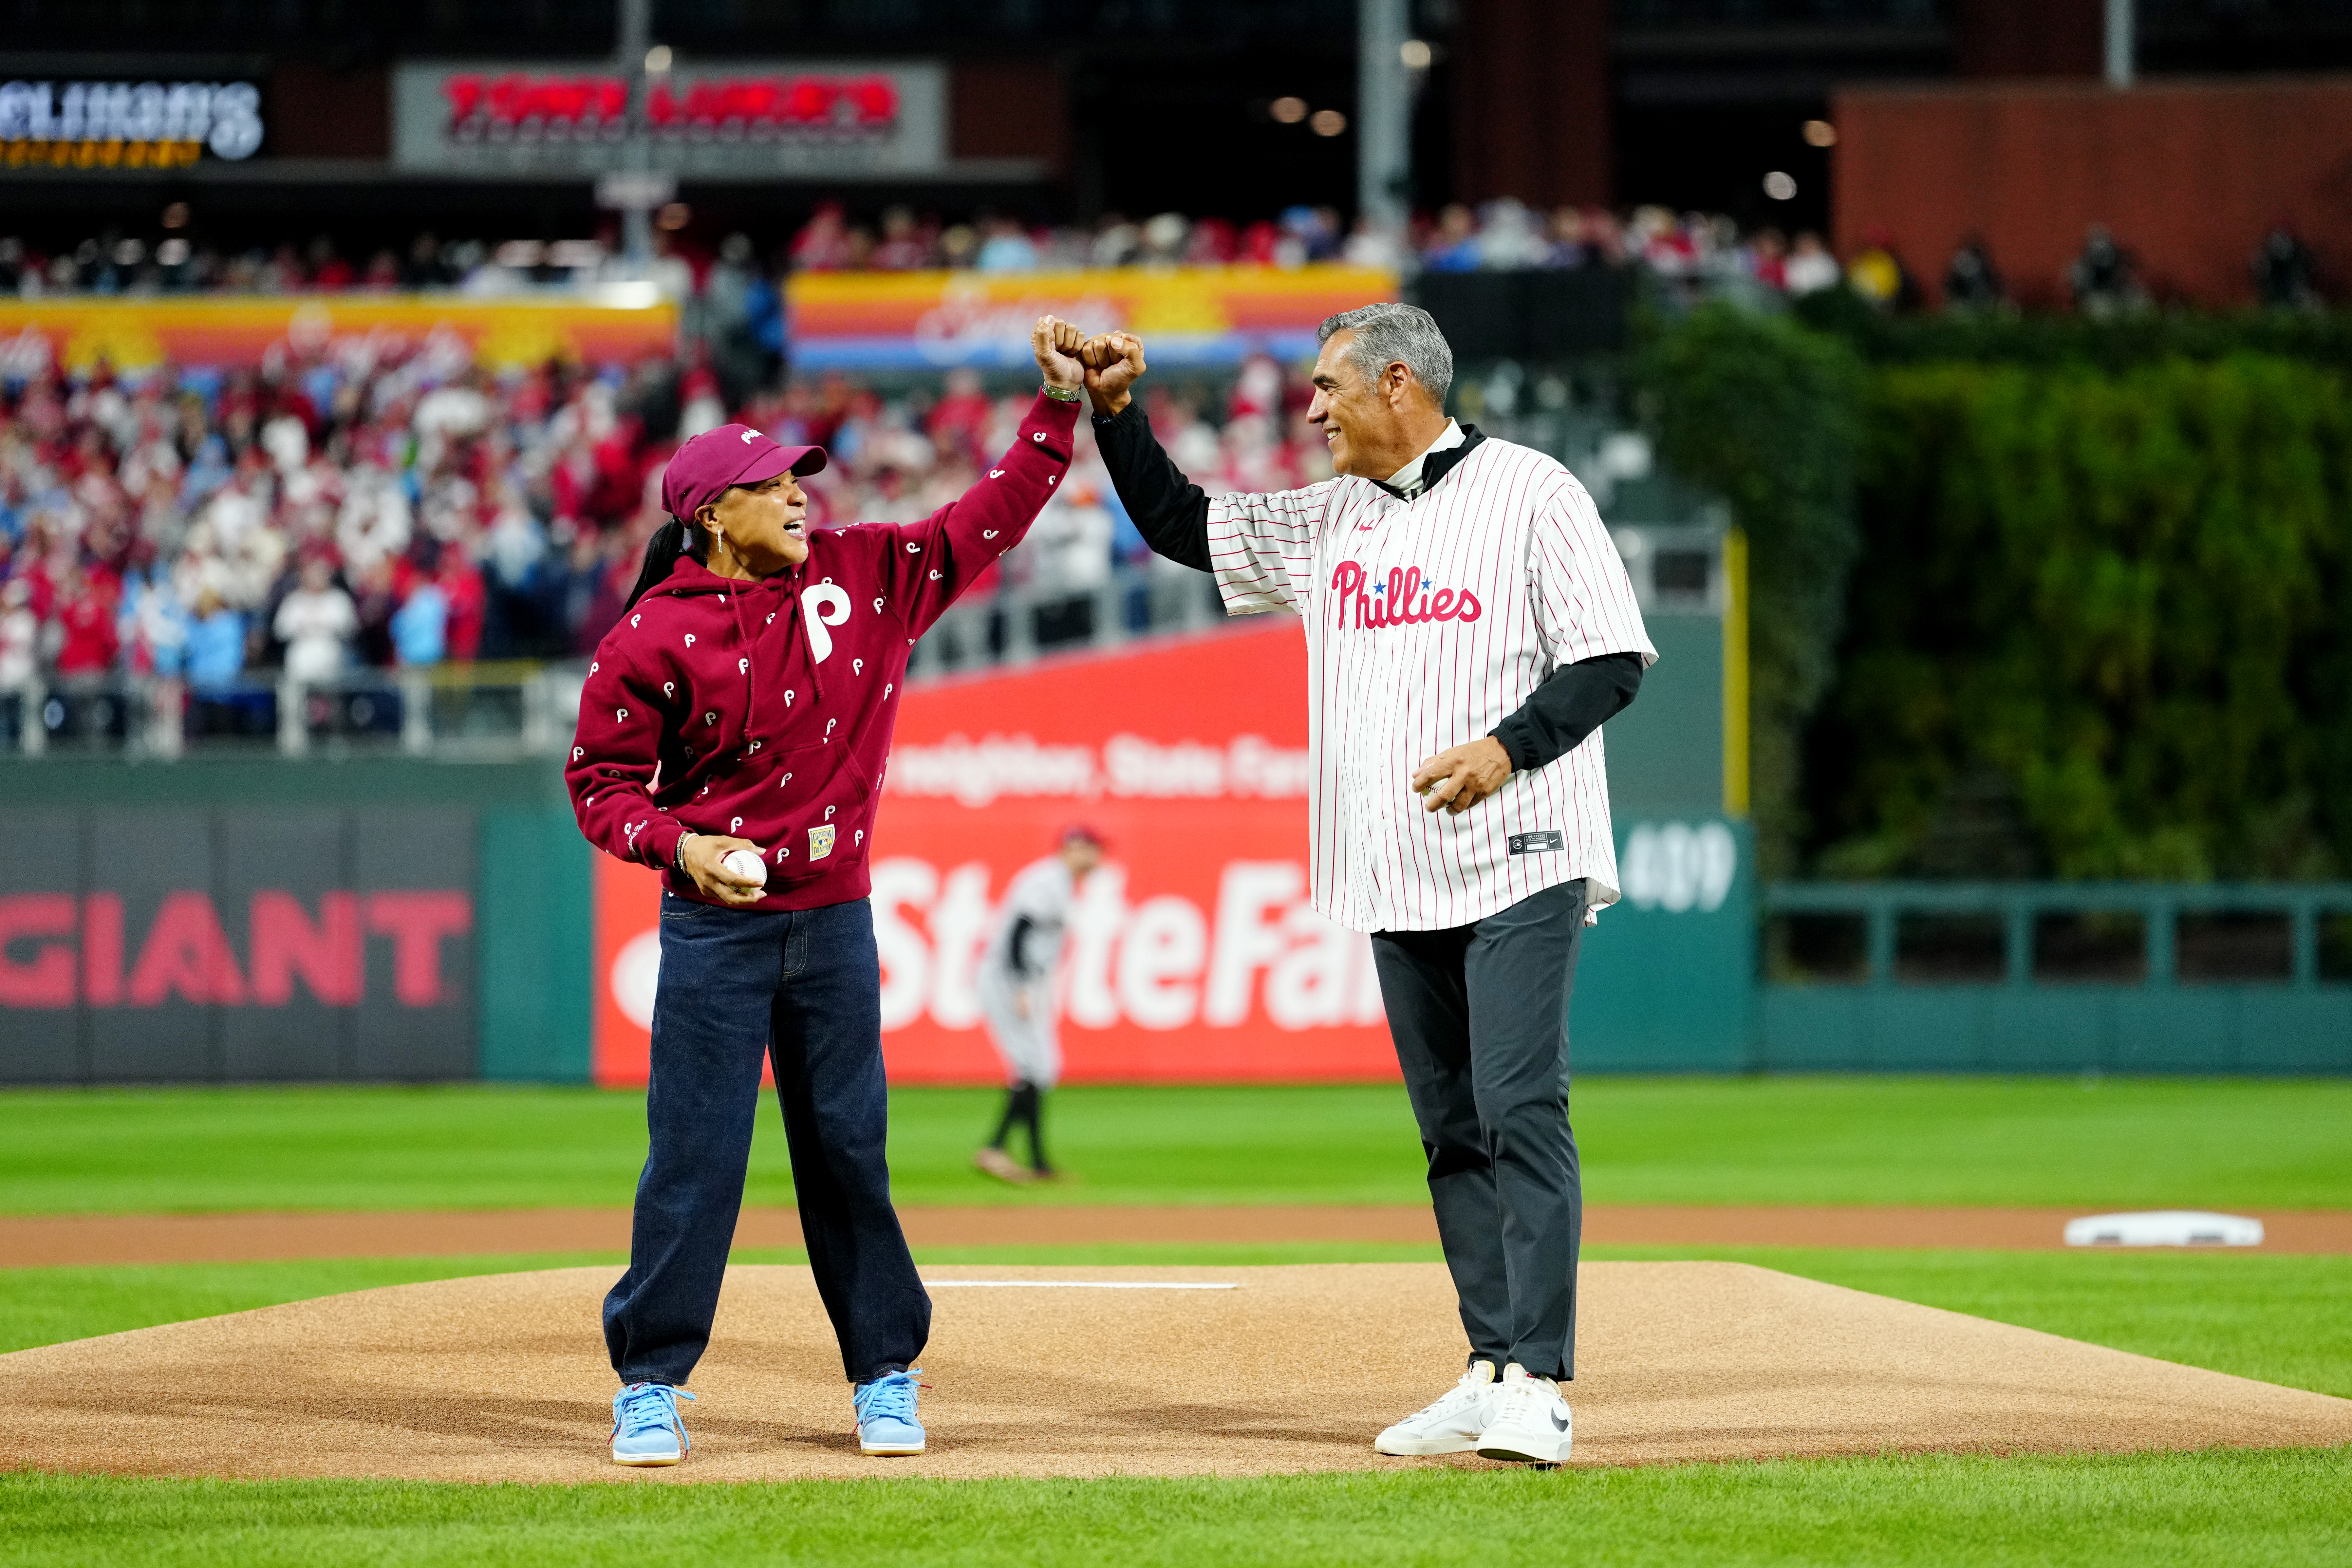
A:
x: 1468, y: 628
x: 1016, y: 995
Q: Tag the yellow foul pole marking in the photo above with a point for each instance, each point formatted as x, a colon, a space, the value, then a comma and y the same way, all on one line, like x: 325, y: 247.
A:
x: 1735, y: 674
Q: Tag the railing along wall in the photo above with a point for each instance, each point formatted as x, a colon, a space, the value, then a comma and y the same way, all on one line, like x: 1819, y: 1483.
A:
x: 2156, y: 977
x: 462, y: 710
x: 524, y: 707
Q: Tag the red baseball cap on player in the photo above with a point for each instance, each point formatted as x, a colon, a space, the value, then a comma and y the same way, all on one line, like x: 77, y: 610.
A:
x: 731, y: 454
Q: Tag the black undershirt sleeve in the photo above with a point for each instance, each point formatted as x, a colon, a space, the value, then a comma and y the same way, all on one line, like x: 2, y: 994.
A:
x: 1573, y: 701
x: 1021, y: 926
x: 1170, y: 510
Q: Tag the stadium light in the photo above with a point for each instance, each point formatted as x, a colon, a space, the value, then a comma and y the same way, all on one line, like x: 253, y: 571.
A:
x: 635, y: 60
x: 1383, y: 114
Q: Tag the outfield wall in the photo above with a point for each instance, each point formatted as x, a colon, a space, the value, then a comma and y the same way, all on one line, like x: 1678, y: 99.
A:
x: 297, y: 920
x: 405, y: 918
x: 402, y: 918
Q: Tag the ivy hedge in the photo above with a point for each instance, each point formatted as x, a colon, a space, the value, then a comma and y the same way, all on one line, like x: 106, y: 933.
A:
x: 2080, y: 604
x: 1766, y: 414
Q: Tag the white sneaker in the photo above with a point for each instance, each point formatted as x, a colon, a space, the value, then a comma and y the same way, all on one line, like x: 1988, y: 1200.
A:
x: 1528, y: 1421
x: 1451, y: 1426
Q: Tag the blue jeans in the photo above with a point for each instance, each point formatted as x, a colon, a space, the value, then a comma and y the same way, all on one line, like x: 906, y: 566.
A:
x: 803, y: 987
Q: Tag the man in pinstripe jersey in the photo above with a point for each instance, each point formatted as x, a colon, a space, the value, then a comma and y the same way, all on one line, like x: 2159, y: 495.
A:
x: 1469, y: 628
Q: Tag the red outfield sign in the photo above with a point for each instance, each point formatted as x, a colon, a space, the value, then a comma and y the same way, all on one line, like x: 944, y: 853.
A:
x: 740, y: 119
x: 517, y: 103
x: 1194, y: 955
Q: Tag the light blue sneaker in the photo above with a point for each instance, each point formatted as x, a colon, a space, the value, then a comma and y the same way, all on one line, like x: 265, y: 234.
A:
x: 646, y: 1427
x: 886, y: 1413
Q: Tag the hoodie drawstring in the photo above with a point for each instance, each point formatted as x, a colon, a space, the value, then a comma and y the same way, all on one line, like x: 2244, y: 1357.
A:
x: 744, y: 639
x: 795, y: 622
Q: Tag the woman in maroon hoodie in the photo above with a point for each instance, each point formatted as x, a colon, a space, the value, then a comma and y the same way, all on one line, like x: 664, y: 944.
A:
x: 745, y: 702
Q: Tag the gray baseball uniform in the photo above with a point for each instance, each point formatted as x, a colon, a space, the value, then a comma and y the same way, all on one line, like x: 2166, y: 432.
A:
x: 1019, y: 963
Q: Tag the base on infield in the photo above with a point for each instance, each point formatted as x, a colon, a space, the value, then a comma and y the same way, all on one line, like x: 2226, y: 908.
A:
x: 501, y: 1378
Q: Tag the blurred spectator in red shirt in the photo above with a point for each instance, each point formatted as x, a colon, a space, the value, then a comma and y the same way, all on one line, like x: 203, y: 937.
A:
x: 822, y: 243
x: 85, y: 621
x: 1259, y: 241
x: 958, y: 420
x: 904, y: 245
x: 461, y: 581
x: 328, y: 270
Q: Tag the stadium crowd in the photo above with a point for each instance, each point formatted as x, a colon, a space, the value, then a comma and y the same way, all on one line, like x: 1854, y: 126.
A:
x: 1500, y: 235
x: 357, y: 505
x: 1693, y: 253
x: 329, y: 512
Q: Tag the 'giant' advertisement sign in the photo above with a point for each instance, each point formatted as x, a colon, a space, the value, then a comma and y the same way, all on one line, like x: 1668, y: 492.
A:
x: 173, y: 946
x: 1193, y: 954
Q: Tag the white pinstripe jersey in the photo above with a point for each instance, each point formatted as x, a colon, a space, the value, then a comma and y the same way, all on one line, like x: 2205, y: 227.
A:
x: 1506, y: 574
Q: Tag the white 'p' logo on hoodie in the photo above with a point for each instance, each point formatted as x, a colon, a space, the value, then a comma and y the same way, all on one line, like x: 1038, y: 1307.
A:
x: 816, y: 604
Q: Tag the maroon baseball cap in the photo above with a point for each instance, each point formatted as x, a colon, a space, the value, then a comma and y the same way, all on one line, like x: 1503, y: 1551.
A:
x: 704, y: 468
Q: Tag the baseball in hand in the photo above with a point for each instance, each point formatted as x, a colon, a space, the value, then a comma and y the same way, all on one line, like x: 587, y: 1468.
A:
x: 745, y: 865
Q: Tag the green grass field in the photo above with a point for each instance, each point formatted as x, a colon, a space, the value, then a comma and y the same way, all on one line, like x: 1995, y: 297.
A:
x: 1926, y: 1141
x: 2106, y: 1142
x: 2229, y: 1509
x: 2274, y: 1318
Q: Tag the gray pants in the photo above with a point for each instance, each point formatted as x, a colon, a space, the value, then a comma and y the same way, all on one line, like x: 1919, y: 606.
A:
x: 1030, y: 1048
x: 1479, y: 1013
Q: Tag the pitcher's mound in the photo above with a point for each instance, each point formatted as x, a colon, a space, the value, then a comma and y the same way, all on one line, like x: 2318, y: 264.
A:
x: 503, y: 1378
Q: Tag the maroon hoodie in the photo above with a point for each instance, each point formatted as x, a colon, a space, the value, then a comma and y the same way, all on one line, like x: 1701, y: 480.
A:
x: 762, y: 709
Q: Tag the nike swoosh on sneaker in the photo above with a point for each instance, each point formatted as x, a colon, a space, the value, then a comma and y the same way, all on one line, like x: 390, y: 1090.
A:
x: 1559, y: 1425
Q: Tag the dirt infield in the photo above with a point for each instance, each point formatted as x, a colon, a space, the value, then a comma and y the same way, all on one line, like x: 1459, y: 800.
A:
x: 30, y: 1241
x: 502, y: 1378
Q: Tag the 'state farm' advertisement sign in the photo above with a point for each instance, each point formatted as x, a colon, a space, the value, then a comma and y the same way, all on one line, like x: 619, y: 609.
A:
x: 1193, y: 954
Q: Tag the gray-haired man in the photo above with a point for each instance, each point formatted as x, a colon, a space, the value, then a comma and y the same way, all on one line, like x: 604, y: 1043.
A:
x: 1469, y: 628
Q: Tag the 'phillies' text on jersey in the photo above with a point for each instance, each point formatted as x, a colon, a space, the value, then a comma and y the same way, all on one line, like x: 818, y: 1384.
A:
x: 1390, y: 602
